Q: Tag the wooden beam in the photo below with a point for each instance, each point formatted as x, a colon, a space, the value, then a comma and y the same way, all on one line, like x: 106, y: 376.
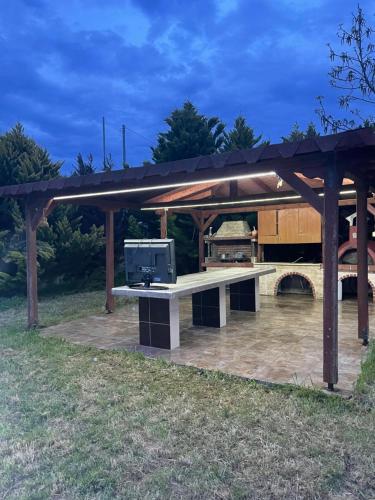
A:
x: 362, y: 264
x: 101, y: 204
x: 332, y: 183
x: 262, y: 185
x: 233, y: 190
x: 109, y: 261
x: 261, y: 208
x: 307, y: 193
x: 181, y: 193
x: 197, y: 219
x: 31, y: 268
x: 163, y: 224
x: 208, y: 222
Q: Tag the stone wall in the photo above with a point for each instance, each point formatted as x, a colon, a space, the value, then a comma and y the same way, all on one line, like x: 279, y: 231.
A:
x: 313, y: 273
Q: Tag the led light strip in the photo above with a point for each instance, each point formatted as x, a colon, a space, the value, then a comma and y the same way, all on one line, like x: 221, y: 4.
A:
x: 164, y: 186
x: 242, y: 202
x: 342, y: 192
x: 220, y: 203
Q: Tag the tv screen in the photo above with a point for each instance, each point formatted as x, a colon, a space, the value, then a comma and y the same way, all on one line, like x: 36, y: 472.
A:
x: 149, y: 261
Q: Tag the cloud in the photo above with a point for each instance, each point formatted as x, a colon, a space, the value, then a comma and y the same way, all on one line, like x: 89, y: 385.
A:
x: 134, y: 61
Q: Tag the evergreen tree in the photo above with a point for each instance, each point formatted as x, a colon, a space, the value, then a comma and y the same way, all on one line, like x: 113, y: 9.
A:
x: 22, y: 160
x: 241, y: 137
x: 296, y: 134
x: 62, y: 242
x: 83, y: 167
x: 190, y: 134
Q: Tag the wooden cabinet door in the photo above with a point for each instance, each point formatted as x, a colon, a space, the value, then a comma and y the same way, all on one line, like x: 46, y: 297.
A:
x: 267, y: 226
x: 288, y: 225
x: 309, y: 225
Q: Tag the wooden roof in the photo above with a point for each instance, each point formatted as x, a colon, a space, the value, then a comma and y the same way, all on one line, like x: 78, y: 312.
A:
x: 206, y: 177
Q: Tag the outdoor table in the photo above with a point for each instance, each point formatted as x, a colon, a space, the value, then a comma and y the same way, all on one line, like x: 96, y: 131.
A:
x: 159, y: 307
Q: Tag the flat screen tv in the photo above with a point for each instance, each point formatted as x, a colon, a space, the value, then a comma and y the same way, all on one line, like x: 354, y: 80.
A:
x: 149, y: 261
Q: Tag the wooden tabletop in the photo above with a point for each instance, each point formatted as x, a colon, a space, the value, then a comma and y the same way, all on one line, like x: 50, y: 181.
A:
x: 197, y: 282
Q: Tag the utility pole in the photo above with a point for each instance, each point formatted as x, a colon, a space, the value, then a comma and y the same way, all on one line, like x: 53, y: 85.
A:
x: 104, y: 153
x: 123, y: 148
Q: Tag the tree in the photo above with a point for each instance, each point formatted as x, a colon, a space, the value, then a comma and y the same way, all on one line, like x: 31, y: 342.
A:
x: 83, y: 167
x: 297, y: 134
x: 190, y: 134
x: 22, y: 160
x: 108, y: 163
x: 241, y: 137
x: 353, y: 75
x: 61, y: 242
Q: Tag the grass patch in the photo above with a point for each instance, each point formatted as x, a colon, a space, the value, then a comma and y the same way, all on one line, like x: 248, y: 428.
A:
x: 76, y: 422
x: 365, y: 388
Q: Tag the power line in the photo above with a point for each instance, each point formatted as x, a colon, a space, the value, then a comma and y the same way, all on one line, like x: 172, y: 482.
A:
x: 140, y: 135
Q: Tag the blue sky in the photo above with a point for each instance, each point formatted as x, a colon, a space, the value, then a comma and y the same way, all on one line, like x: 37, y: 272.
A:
x: 66, y: 64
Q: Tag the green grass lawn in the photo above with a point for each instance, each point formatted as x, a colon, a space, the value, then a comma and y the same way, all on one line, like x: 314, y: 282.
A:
x: 77, y: 422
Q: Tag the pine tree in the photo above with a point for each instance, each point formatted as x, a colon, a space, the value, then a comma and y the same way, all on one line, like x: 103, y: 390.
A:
x: 297, y: 134
x: 22, y: 160
x: 241, y: 137
x: 190, y: 134
x: 62, y: 242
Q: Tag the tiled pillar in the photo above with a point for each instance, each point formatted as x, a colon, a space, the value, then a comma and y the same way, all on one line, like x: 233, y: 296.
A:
x: 159, y: 323
x: 244, y: 295
x: 209, y: 308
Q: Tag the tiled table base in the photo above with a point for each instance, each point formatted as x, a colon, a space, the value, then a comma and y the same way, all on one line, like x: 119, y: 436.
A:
x: 281, y: 343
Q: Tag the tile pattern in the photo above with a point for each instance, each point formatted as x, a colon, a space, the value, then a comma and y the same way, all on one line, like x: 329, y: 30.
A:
x: 206, y: 308
x: 242, y: 296
x: 154, y: 323
x: 281, y: 343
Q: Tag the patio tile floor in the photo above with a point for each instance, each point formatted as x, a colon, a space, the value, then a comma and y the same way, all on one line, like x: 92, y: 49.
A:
x: 282, y: 343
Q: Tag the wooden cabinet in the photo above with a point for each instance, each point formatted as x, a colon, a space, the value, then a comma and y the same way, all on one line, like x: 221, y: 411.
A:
x: 289, y: 225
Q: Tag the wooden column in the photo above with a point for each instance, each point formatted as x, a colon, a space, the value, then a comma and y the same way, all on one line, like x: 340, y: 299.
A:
x: 31, y: 269
x: 110, y: 261
x: 163, y: 224
x: 260, y: 252
x: 203, y: 223
x: 201, y: 249
x: 362, y: 265
x: 332, y: 183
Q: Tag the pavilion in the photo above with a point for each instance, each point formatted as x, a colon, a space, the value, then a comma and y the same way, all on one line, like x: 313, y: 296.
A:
x: 323, y: 172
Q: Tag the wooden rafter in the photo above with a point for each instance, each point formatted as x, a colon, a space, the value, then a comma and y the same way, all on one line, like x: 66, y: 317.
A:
x: 262, y: 185
x: 181, y: 193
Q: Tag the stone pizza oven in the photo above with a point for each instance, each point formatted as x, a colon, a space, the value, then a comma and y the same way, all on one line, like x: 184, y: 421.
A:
x: 233, y: 243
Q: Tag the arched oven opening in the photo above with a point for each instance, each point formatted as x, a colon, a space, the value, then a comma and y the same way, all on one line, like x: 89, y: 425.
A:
x: 349, y: 289
x: 295, y: 284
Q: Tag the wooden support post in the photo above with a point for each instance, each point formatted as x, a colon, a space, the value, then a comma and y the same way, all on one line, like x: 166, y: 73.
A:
x: 260, y: 252
x: 362, y: 265
x: 163, y: 224
x: 202, y: 223
x: 201, y: 249
x: 31, y: 269
x: 332, y: 182
x: 110, y: 261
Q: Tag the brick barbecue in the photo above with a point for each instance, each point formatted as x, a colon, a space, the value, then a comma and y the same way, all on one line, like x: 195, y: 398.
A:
x: 233, y: 243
